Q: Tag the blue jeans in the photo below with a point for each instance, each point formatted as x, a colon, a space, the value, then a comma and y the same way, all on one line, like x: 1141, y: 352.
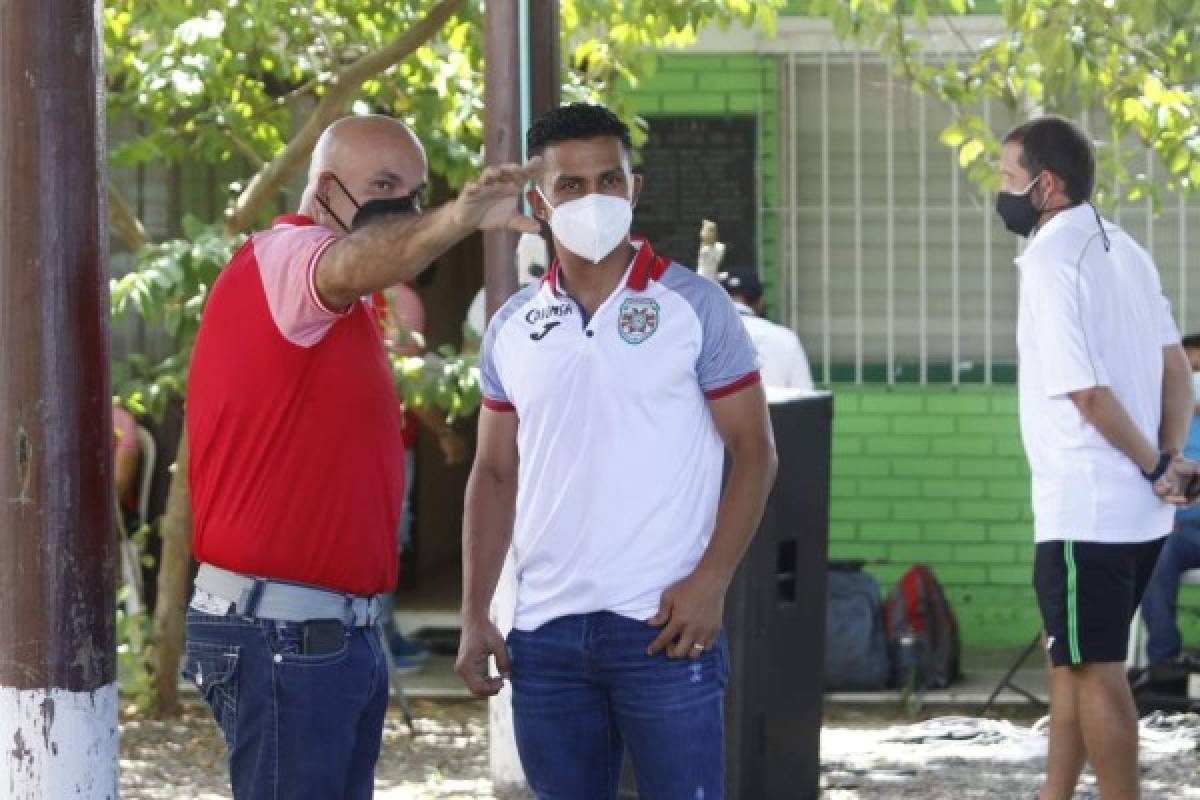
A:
x: 1179, y: 554
x: 296, y: 726
x: 584, y: 688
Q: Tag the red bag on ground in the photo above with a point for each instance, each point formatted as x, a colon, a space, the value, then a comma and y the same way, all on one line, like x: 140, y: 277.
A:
x: 922, y: 632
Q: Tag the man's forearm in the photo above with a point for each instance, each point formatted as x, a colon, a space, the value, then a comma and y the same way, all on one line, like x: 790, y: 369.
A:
x: 386, y: 252
x: 487, y: 534
x: 1178, y: 400
x: 751, y: 476
x: 1101, y: 408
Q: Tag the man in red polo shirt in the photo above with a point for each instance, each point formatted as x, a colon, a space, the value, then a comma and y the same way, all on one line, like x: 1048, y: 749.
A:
x: 296, y: 461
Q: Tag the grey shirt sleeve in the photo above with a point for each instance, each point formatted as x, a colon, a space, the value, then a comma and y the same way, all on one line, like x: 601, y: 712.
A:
x: 727, y: 359
x: 491, y: 366
x: 489, y: 373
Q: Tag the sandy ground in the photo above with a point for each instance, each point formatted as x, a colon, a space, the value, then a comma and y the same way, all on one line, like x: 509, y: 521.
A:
x: 865, y: 754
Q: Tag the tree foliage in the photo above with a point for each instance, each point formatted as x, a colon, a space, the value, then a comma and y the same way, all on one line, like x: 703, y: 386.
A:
x: 1138, y: 61
x: 249, y: 84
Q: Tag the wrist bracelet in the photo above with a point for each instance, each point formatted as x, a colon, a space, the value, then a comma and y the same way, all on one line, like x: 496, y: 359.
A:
x: 1160, y: 469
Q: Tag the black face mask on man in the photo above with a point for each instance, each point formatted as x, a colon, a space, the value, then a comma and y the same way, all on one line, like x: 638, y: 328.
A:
x: 1017, y: 210
x: 373, y: 209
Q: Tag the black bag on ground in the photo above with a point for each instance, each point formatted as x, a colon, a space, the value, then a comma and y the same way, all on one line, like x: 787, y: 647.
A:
x: 856, y: 655
x: 922, y: 633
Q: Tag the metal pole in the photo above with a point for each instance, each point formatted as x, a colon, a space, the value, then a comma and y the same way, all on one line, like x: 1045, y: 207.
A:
x: 826, y: 267
x: 502, y: 136
x: 922, y: 235
x: 509, y: 107
x: 891, y: 230
x: 858, y: 220
x: 58, y: 695
x: 1183, y: 261
x: 988, y: 355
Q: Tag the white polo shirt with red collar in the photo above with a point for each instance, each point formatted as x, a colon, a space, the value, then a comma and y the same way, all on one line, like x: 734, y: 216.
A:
x: 620, y: 461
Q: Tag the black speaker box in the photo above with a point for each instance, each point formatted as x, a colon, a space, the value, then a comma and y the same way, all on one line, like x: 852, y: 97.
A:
x: 775, y: 621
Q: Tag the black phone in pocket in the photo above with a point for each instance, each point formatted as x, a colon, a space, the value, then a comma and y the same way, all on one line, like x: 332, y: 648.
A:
x: 322, y: 637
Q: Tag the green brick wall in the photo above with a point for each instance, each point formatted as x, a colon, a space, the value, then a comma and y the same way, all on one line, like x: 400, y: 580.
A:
x: 686, y: 84
x: 937, y: 475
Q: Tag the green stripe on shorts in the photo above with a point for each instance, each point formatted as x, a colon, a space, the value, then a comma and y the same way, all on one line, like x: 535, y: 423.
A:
x: 1072, y: 602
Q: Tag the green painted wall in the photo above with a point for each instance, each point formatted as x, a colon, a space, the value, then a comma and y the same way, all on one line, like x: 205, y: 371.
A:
x: 726, y: 84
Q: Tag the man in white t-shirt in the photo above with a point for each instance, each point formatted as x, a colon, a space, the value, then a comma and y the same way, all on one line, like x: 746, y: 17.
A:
x: 1105, y: 402
x: 781, y: 358
x: 612, y: 390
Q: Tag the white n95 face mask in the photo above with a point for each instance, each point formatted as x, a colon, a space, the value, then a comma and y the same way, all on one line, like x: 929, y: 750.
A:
x: 592, y: 226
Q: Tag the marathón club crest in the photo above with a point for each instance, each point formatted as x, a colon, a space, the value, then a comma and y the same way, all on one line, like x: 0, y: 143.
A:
x: 638, y: 319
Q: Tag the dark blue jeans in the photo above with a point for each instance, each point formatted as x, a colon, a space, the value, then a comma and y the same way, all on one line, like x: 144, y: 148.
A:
x: 584, y: 688
x: 1179, y: 554
x: 296, y: 726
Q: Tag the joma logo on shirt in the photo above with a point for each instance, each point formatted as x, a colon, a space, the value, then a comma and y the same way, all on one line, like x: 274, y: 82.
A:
x: 545, y: 313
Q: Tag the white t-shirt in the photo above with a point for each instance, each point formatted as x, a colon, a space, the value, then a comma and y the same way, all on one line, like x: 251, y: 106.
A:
x: 620, y: 461
x: 780, y: 355
x: 1097, y: 321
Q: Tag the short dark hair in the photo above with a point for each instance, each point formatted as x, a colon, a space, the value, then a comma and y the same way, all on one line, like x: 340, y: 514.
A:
x: 1060, y: 146
x: 575, y: 121
x: 742, y: 281
x: 1191, y: 341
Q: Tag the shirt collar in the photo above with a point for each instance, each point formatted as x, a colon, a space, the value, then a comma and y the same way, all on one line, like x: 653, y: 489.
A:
x: 1081, y: 216
x: 299, y: 220
x: 646, y: 266
x: 743, y: 309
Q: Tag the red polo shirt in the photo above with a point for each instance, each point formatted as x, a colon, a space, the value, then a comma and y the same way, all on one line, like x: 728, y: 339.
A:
x: 296, y: 463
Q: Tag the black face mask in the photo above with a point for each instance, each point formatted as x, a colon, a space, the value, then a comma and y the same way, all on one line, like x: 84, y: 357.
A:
x: 1017, y: 210
x: 374, y: 209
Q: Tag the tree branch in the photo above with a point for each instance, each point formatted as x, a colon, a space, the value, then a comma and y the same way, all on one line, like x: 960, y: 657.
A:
x: 128, y: 227
x: 243, y: 147
x: 266, y: 182
x: 962, y: 39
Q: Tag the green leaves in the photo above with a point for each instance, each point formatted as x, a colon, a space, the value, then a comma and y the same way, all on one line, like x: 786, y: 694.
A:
x: 447, y: 381
x: 1133, y: 62
x: 211, y: 84
x: 166, y: 289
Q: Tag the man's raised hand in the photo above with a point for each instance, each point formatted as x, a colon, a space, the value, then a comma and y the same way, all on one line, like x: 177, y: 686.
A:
x: 490, y: 201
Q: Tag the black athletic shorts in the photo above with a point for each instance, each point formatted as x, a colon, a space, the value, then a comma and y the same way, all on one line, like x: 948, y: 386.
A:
x: 1088, y: 593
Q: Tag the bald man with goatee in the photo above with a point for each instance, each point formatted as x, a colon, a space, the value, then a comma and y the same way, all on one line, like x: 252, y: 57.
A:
x: 296, y: 461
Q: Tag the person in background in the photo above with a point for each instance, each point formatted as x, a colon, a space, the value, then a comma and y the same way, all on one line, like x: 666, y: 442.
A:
x: 1105, y: 399
x: 401, y: 314
x: 1164, y: 645
x: 127, y: 458
x: 780, y: 355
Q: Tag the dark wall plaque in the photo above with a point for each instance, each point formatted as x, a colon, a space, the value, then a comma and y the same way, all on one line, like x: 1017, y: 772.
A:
x: 699, y: 168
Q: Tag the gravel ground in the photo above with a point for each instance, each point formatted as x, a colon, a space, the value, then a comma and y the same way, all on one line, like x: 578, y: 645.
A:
x: 864, y: 755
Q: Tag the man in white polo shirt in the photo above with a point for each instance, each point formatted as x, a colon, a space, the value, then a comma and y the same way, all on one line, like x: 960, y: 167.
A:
x: 612, y: 389
x: 781, y: 357
x: 1105, y: 401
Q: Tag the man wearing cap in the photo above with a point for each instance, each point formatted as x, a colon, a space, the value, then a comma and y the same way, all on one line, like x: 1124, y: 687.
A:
x: 780, y: 355
x: 612, y: 389
x: 296, y: 462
